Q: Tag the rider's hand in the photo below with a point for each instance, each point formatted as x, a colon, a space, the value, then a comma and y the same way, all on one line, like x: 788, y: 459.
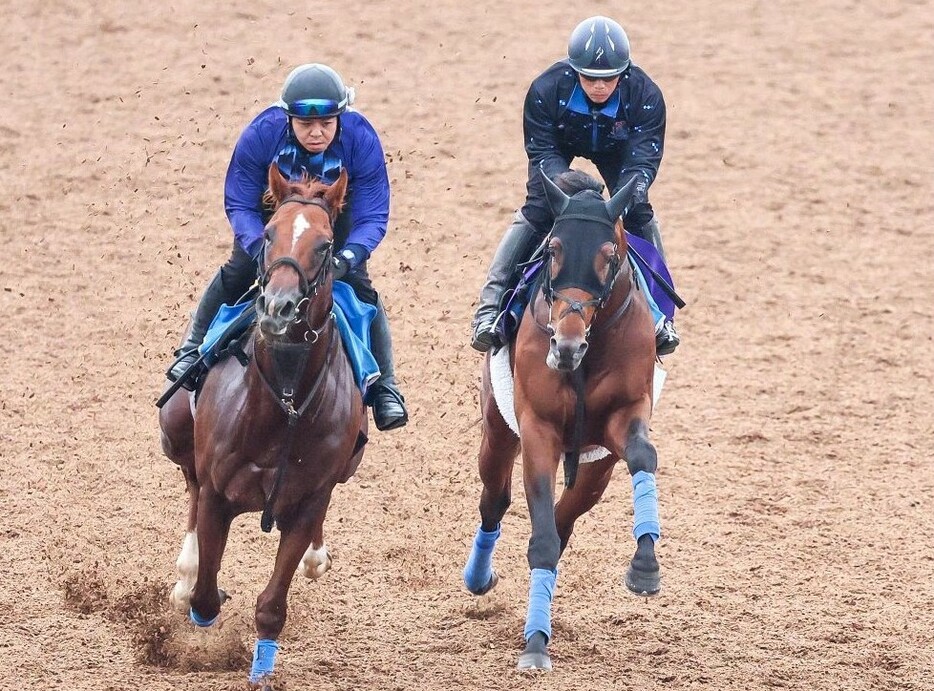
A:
x: 340, y: 267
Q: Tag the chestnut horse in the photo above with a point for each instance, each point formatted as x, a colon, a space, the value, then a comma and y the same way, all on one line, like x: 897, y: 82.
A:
x: 278, y: 434
x: 583, y: 364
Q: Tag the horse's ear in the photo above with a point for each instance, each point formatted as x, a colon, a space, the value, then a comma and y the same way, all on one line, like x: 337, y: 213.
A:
x: 557, y: 199
x: 619, y: 204
x: 335, y: 193
x: 278, y: 185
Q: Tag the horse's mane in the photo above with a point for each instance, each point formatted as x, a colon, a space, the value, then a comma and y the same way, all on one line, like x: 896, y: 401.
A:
x: 573, y: 181
x: 307, y: 187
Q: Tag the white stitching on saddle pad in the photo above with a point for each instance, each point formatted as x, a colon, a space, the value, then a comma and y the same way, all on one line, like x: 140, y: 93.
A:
x: 502, y: 381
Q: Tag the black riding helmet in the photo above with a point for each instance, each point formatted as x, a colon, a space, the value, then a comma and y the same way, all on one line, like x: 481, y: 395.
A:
x: 599, y: 48
x: 315, y: 91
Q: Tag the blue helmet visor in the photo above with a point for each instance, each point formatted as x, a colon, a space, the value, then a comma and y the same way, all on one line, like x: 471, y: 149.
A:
x: 315, y: 108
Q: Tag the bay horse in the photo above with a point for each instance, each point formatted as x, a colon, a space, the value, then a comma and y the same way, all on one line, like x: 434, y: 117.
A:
x: 275, y: 435
x: 583, y: 363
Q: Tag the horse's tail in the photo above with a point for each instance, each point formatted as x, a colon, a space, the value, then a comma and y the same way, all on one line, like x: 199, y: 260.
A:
x: 572, y: 457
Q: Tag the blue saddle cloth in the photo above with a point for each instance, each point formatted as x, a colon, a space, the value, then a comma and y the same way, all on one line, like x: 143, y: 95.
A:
x: 642, y: 253
x: 352, y: 317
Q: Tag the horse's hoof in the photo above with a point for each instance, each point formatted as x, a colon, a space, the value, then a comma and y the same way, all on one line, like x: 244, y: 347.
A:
x: 180, y: 597
x: 222, y: 594
x: 644, y: 582
x: 536, y: 660
x: 315, y: 563
x: 494, y: 579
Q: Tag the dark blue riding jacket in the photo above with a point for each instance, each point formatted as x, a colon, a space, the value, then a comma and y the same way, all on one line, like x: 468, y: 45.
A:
x: 356, y: 148
x: 623, y: 136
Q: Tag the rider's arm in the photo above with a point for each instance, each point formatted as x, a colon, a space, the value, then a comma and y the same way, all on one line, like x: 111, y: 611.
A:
x: 369, y: 196
x: 244, y: 185
x: 539, y: 123
x: 647, y: 136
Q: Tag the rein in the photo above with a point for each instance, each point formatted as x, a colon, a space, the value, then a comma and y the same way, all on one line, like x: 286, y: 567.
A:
x: 285, y: 398
x: 578, y: 377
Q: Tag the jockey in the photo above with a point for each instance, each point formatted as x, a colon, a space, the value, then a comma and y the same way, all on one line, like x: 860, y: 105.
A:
x: 599, y: 105
x: 311, y: 131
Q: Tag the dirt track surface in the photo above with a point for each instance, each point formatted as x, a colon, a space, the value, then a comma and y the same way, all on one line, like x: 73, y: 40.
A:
x: 794, y: 435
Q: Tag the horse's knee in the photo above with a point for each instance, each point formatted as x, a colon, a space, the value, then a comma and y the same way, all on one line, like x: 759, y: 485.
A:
x: 640, y: 454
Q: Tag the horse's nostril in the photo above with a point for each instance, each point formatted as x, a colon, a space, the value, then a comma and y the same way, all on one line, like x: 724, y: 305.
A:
x: 287, y: 309
x: 554, y: 342
x: 582, y: 348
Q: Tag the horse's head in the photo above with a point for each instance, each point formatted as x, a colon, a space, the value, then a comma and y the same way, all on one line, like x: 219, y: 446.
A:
x: 584, y: 254
x: 297, y: 256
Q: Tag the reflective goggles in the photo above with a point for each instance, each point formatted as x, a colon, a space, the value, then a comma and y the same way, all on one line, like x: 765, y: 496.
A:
x: 316, y: 108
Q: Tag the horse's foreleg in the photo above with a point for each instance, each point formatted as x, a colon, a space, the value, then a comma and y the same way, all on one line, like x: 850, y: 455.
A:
x: 592, y: 479
x: 213, y: 519
x: 644, y: 574
x: 297, y: 532
x: 540, y: 451
x: 187, y: 562
x: 498, y: 449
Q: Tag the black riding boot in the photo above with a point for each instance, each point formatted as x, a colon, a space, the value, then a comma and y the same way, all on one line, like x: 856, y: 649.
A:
x: 214, y: 296
x: 667, y: 338
x: 384, y: 396
x: 515, y: 247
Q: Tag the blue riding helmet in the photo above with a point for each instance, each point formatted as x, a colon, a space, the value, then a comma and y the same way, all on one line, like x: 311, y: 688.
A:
x: 315, y: 91
x: 599, y: 48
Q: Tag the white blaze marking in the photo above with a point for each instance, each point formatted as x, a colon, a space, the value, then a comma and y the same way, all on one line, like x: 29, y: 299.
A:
x: 299, y: 226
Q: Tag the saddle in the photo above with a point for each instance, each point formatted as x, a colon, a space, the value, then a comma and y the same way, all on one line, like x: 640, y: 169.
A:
x: 232, y: 325
x: 225, y: 337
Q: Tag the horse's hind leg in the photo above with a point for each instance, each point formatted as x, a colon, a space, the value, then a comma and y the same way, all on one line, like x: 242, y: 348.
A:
x: 297, y: 532
x: 498, y: 450
x: 316, y: 561
x: 213, y: 526
x: 187, y: 562
x: 592, y: 479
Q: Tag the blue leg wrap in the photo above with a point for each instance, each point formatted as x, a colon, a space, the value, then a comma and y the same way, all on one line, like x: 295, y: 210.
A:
x: 479, y: 569
x: 264, y: 659
x: 658, y: 317
x: 198, y: 620
x: 541, y: 592
x: 645, y: 506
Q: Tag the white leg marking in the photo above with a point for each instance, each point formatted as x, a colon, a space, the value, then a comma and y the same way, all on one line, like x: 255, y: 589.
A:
x: 187, y: 565
x: 315, y: 563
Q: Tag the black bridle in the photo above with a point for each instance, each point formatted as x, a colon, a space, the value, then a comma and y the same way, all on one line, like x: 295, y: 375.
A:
x: 308, y: 289
x: 552, y: 295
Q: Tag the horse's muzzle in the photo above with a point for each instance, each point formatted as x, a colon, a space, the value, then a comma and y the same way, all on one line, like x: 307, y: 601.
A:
x: 565, y: 354
x: 275, y: 313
